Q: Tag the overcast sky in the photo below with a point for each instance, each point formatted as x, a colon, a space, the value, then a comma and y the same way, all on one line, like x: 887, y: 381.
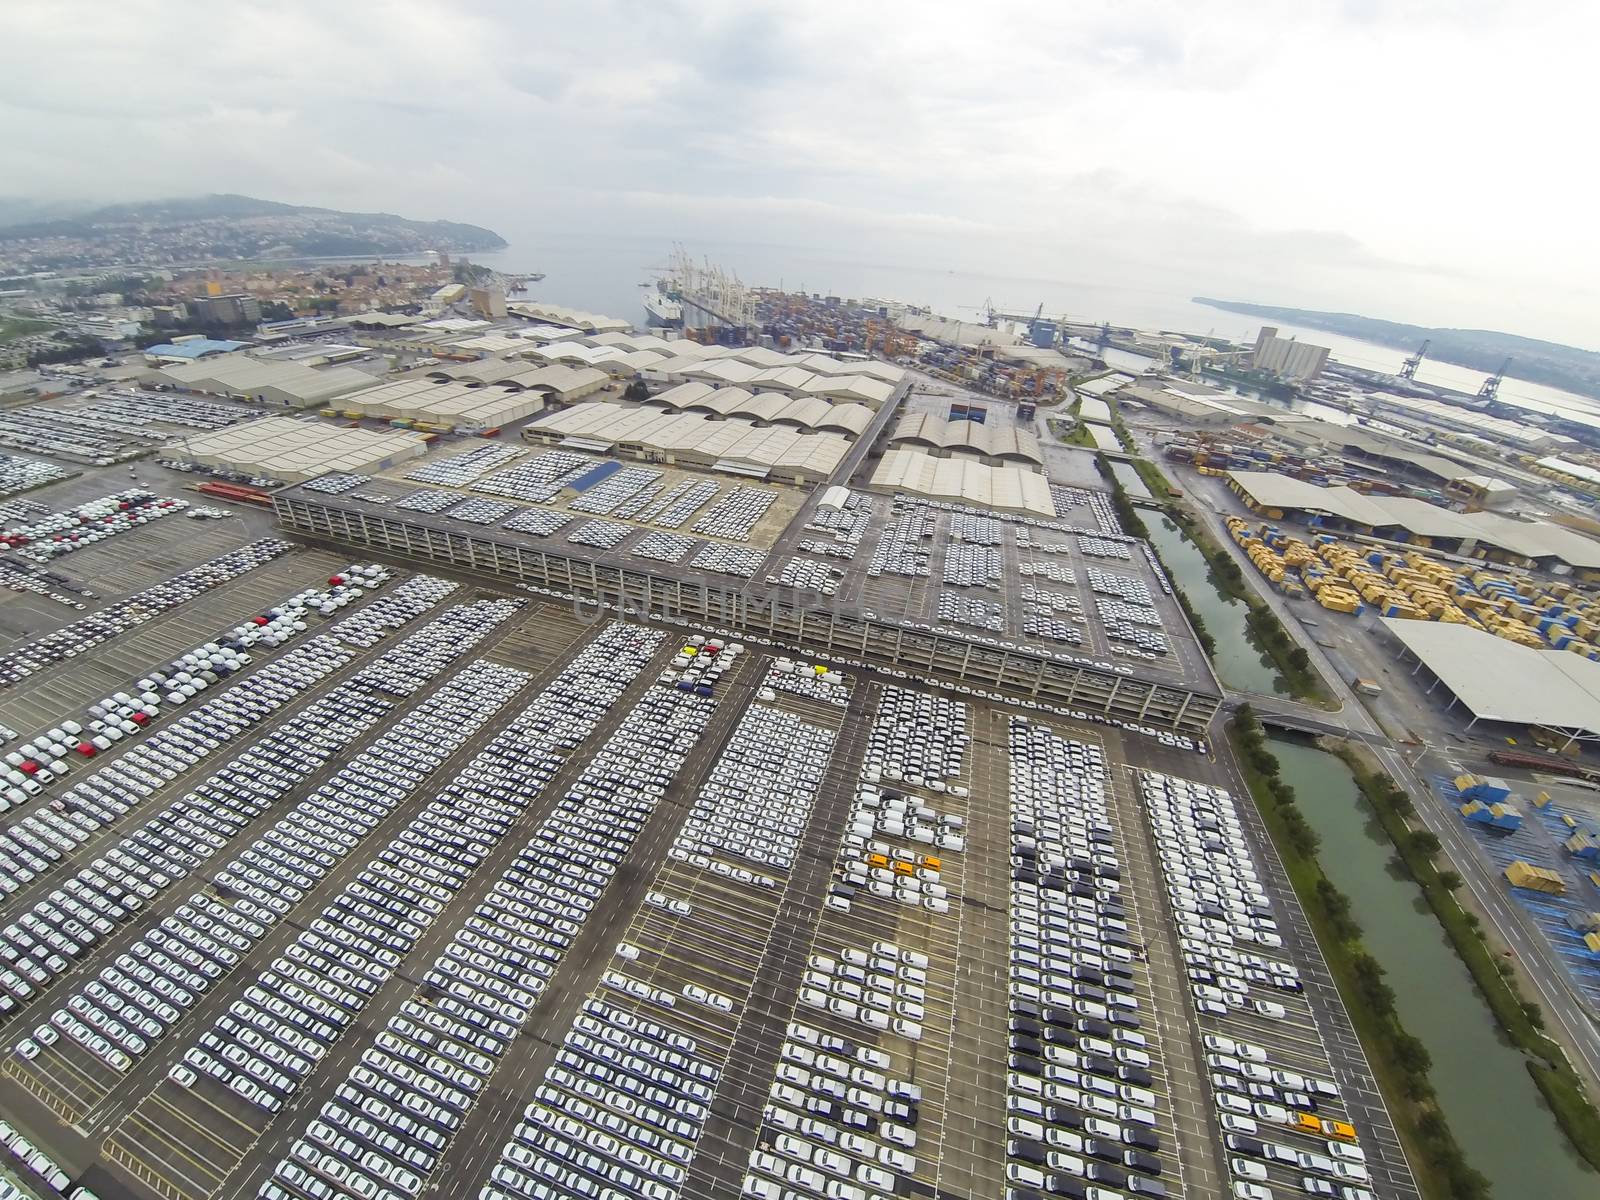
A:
x: 1419, y: 160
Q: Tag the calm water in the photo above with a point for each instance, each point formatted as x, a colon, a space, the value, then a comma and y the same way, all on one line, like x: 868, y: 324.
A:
x: 1238, y: 663
x: 603, y: 274
x: 1486, y: 1093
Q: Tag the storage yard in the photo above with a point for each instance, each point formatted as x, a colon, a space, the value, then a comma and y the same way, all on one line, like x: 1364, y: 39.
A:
x: 563, y: 811
x: 383, y: 878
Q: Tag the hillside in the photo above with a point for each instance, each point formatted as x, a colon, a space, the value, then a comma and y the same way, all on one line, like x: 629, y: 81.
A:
x: 1549, y: 363
x: 207, y: 228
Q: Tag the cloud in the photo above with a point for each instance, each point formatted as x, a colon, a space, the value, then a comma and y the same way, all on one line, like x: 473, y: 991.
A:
x: 1413, y: 154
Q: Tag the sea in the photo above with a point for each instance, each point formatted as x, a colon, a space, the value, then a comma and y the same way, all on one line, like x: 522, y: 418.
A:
x: 607, y: 274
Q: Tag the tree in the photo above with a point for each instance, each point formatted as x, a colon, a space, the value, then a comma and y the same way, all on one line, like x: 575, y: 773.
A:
x: 1411, y: 1054
x: 1425, y: 842
x: 1450, y: 880
x: 636, y: 391
x: 276, y: 310
x: 1299, y: 660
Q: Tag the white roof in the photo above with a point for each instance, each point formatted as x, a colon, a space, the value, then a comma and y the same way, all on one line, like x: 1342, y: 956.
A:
x: 1013, y: 489
x: 1499, y: 680
x: 1529, y: 539
x: 730, y: 440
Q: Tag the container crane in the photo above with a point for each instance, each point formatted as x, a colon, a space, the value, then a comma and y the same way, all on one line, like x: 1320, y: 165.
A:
x: 1490, y: 389
x: 1408, y: 369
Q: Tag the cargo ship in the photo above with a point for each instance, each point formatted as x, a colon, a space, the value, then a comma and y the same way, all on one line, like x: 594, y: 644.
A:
x: 662, y: 306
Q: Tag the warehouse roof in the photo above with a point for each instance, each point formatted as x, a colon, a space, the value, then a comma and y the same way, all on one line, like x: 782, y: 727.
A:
x: 690, y: 433
x: 452, y: 403
x: 575, y: 318
x: 242, y: 374
x: 1499, y: 680
x: 1013, y: 489
x: 191, y: 349
x: 770, y: 408
x: 1003, y: 440
x: 1092, y: 409
x: 1528, y: 539
x: 290, y: 449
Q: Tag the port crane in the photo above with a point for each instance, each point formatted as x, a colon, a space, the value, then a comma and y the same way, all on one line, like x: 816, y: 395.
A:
x: 1490, y: 389
x: 1408, y: 369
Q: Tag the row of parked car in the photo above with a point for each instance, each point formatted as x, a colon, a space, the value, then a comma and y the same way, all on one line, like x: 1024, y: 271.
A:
x: 1085, y: 1098
x: 489, y: 976
x: 269, y: 875
x: 363, y: 934
x: 838, y: 1122
x: 207, y: 937
x: 85, y: 633
x: 78, y: 528
x: 1225, y: 924
x: 618, y: 1114
x: 40, y: 945
x: 34, y: 766
x: 755, y: 803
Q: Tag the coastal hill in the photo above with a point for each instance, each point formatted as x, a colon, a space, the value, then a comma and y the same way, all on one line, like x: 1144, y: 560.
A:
x: 208, y: 228
x: 1549, y: 363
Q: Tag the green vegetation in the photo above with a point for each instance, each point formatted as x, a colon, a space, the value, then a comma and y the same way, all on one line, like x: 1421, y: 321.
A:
x: 1398, y: 1059
x: 1519, y: 1018
x: 12, y: 328
x: 1077, y: 435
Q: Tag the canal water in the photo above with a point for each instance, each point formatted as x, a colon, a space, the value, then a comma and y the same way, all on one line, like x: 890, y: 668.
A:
x: 1239, y: 664
x: 1485, y: 1091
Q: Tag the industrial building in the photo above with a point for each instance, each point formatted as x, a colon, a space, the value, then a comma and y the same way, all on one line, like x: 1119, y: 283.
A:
x: 1286, y: 357
x: 442, y: 406
x: 963, y: 481
x: 729, y: 445
x: 997, y: 444
x: 245, y: 377
x: 293, y: 450
x: 938, y: 654
x: 767, y: 408
x: 187, y: 350
x: 573, y: 318
x: 1501, y: 681
x: 1479, y: 534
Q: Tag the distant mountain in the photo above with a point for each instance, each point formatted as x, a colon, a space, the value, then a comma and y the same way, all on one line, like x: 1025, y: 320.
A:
x: 206, y: 228
x: 1549, y: 363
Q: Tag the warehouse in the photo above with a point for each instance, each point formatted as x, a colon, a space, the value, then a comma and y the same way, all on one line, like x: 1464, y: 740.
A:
x: 561, y: 383
x: 442, y: 406
x: 1007, y: 489
x: 296, y: 450
x: 572, y: 318
x: 1478, y: 534
x: 1498, y: 680
x: 690, y: 439
x: 767, y: 408
x: 285, y: 384
x: 994, y: 444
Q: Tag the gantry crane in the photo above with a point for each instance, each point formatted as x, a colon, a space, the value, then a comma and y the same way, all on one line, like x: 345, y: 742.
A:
x: 1490, y: 389
x: 1408, y: 369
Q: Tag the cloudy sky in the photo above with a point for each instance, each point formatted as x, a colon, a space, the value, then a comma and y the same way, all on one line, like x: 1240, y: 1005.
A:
x: 1423, y: 160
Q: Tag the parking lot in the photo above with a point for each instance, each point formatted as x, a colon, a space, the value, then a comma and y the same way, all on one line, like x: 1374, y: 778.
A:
x: 1064, y: 587
x: 328, y: 883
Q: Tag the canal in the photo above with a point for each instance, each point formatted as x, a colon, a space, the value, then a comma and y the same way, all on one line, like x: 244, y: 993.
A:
x: 1497, y: 1114
x: 1240, y: 665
